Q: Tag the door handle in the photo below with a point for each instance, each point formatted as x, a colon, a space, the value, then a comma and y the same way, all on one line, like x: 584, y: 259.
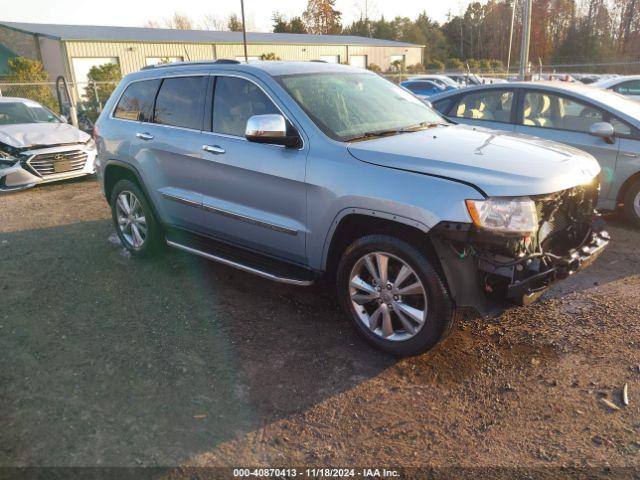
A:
x: 215, y: 149
x: 144, y: 136
x: 630, y: 155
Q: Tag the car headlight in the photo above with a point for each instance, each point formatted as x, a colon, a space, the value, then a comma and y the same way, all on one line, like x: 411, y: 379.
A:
x: 6, y: 159
x: 509, y: 215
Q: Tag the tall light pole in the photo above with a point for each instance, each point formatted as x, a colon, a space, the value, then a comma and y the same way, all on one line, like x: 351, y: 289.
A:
x: 244, y: 32
x: 526, y: 39
x: 513, y: 17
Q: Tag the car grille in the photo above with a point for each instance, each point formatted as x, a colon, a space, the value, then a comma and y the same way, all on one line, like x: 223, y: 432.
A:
x: 565, y: 217
x: 59, y: 162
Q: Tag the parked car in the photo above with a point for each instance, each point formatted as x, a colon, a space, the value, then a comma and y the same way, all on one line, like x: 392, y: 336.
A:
x: 297, y: 171
x: 422, y: 88
x: 464, y: 79
x: 38, y: 146
x: 441, y: 80
x: 601, y: 122
x: 628, y: 85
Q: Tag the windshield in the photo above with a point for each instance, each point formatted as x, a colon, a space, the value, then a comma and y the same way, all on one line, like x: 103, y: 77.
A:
x: 615, y: 101
x: 350, y: 106
x: 25, y: 112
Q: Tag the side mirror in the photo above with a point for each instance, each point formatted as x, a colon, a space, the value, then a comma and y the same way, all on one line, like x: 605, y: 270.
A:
x: 271, y: 128
x: 427, y: 102
x: 603, y: 130
x: 64, y: 119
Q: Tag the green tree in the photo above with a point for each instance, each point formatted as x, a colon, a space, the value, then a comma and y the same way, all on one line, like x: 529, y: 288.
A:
x: 269, y: 56
x: 103, y: 79
x: 454, y: 64
x: 435, y: 66
x: 25, y: 70
x: 282, y: 25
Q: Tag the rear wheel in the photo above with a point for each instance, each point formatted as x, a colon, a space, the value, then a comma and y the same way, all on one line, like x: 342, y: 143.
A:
x: 632, y: 203
x: 133, y: 218
x: 394, y: 296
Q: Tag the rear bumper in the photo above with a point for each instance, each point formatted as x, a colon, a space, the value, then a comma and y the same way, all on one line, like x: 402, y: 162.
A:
x: 490, y: 284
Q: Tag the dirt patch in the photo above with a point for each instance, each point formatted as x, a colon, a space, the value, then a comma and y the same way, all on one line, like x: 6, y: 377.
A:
x: 108, y: 360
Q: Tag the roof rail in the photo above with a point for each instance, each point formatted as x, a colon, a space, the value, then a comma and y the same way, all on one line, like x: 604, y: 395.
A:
x: 222, y: 61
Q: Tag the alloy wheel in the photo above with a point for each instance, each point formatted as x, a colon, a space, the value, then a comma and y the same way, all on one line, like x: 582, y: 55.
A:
x: 131, y: 219
x: 388, y: 296
x: 636, y: 204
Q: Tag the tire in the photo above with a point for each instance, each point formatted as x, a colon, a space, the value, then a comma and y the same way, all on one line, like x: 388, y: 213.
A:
x: 632, y: 203
x: 432, y: 302
x: 153, y: 237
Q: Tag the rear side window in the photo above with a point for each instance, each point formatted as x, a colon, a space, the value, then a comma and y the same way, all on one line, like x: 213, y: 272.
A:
x: 628, y: 88
x: 180, y: 102
x: 490, y: 105
x: 136, y: 102
x: 234, y: 102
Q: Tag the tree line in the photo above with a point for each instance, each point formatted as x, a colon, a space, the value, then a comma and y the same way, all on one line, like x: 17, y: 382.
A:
x: 563, y: 31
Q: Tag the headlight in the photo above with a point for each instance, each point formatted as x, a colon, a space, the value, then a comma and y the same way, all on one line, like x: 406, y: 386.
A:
x: 7, y: 159
x: 515, y: 215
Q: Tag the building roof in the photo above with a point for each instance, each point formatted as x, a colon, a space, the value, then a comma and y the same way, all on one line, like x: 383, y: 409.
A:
x: 167, y: 35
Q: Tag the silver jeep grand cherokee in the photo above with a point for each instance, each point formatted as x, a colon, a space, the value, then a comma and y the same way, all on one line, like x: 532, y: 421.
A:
x: 302, y: 171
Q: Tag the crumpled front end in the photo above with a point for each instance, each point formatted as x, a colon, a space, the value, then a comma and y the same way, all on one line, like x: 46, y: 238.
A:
x: 488, y: 270
x: 26, y: 167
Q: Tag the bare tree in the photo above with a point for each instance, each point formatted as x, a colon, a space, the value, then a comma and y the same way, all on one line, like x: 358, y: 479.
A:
x: 213, y: 22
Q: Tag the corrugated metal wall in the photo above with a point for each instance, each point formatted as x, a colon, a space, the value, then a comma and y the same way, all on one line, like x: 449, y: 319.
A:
x: 132, y: 56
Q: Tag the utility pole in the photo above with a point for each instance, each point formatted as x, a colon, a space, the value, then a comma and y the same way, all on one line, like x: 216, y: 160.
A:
x: 244, y: 32
x: 526, y: 39
x: 513, y: 17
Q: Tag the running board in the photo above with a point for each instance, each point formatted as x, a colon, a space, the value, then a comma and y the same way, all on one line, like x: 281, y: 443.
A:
x: 241, y: 266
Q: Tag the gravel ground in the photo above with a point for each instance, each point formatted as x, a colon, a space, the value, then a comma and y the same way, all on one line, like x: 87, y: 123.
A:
x: 108, y: 360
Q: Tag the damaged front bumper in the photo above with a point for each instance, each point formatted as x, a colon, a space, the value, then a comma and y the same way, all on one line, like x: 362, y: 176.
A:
x: 46, y: 164
x: 490, y: 282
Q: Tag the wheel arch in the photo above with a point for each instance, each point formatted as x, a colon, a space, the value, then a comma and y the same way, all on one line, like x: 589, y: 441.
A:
x: 625, y: 187
x: 114, y: 171
x: 354, y: 223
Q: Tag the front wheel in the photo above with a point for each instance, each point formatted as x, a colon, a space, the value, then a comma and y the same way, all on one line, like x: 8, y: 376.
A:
x: 394, y: 296
x: 632, y: 203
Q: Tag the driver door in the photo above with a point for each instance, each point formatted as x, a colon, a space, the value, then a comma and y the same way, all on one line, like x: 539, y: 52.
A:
x: 254, y: 194
x: 566, y: 119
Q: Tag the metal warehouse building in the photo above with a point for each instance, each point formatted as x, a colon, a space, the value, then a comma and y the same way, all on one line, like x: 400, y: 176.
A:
x: 71, y: 50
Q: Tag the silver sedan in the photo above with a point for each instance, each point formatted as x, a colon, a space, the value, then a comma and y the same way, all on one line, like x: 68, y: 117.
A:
x: 601, y: 122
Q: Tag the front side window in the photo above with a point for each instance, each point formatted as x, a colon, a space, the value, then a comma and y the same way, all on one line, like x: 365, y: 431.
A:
x: 628, y: 88
x: 546, y: 110
x: 350, y: 106
x: 136, y: 102
x: 490, y: 105
x: 180, y: 102
x: 12, y: 113
x: 235, y: 100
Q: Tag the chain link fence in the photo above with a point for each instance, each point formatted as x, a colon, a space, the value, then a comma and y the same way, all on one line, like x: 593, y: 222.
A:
x: 89, y: 97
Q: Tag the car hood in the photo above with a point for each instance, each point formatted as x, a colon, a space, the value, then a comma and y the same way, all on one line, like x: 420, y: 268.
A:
x: 498, y: 163
x: 41, y: 134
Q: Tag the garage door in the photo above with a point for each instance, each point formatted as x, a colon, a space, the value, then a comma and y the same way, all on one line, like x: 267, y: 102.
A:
x: 330, y: 58
x: 359, y: 61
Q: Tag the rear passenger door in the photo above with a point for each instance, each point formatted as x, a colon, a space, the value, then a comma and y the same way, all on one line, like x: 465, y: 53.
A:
x: 254, y: 194
x: 567, y: 119
x: 168, y: 148
x: 489, y: 108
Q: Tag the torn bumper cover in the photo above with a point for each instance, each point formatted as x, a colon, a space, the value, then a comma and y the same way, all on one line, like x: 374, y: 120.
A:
x: 14, y: 177
x: 488, y: 271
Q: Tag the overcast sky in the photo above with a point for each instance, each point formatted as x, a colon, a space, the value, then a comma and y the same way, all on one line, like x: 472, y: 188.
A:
x: 137, y: 12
